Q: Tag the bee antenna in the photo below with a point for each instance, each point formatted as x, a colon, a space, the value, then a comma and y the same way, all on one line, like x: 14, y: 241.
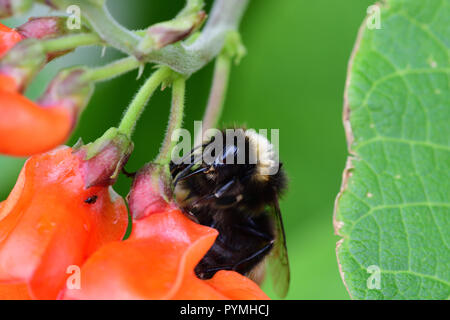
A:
x: 186, y: 176
x: 191, y: 154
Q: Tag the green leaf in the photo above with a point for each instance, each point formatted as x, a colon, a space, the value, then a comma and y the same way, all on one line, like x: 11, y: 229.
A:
x: 393, y: 210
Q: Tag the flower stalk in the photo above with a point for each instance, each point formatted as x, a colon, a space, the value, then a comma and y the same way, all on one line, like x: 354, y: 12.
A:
x: 175, y: 121
x: 139, y: 102
x: 233, y: 49
x: 112, y: 70
x: 186, y: 58
x: 70, y: 42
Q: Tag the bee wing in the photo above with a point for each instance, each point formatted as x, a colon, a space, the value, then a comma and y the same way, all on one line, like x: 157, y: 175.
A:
x: 278, y: 259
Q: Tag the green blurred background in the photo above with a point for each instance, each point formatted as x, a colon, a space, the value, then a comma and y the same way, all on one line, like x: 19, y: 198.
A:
x: 292, y: 79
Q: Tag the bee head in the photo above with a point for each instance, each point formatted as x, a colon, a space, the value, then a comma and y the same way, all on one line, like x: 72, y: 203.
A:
x: 235, y: 165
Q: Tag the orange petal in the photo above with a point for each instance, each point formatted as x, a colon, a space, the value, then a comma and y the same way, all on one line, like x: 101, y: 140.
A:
x: 150, y: 264
x: 7, y: 83
x: 8, y: 38
x: 157, y: 262
x: 46, y: 225
x: 236, y: 287
x: 14, y: 292
x: 27, y: 129
x: 192, y: 288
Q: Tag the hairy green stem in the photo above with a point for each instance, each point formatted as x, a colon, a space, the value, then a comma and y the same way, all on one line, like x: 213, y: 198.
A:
x: 183, y: 58
x: 70, y: 42
x: 112, y: 70
x: 175, y: 121
x: 192, y: 6
x: 108, y: 28
x: 139, y: 102
x: 225, y: 16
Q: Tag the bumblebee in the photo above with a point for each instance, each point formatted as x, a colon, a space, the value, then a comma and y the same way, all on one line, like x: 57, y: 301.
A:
x: 234, y: 186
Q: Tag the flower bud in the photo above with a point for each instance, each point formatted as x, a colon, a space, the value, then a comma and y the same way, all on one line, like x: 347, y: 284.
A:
x: 69, y: 89
x: 151, y: 191
x: 165, y: 33
x: 23, y: 62
x: 103, y: 159
x: 10, y: 8
x: 43, y: 27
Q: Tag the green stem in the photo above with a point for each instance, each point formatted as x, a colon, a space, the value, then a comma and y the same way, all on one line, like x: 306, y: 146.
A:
x: 225, y: 16
x: 70, y: 42
x: 217, y: 95
x: 192, y: 6
x: 112, y: 70
x: 175, y: 121
x: 107, y: 27
x: 140, y: 100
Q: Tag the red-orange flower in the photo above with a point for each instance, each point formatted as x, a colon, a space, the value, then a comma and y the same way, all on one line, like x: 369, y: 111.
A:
x: 50, y: 221
x: 8, y: 39
x: 157, y: 262
x: 27, y: 128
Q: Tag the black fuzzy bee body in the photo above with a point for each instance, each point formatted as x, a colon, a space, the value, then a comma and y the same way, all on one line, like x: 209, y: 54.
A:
x: 236, y: 195
x: 243, y: 241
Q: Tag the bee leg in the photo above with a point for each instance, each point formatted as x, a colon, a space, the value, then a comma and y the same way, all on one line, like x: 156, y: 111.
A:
x: 228, y: 201
x: 209, y: 272
x: 207, y: 197
x: 263, y: 251
x: 252, y: 231
x: 221, y: 200
x: 176, y: 167
x: 185, y: 174
x: 219, y: 193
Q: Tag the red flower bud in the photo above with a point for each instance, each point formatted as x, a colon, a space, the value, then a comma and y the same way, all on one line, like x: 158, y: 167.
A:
x: 43, y: 27
x: 51, y: 222
x: 150, y: 191
x: 103, y: 159
x: 162, y: 34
